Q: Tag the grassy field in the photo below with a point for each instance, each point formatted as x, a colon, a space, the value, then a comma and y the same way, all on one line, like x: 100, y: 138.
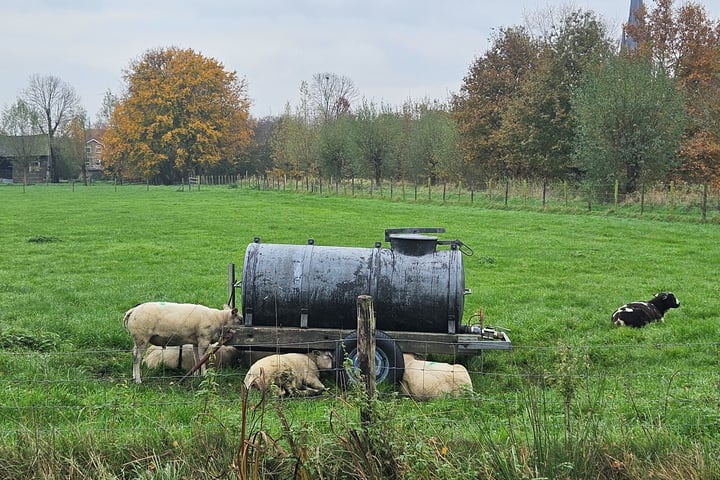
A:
x: 575, y: 398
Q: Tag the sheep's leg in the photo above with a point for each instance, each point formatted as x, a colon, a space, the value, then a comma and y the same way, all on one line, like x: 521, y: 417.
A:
x: 138, y: 350
x: 198, y: 352
x: 309, y: 391
x: 314, y: 384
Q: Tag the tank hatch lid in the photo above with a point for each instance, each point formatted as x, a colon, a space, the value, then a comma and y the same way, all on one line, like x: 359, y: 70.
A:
x: 391, y: 232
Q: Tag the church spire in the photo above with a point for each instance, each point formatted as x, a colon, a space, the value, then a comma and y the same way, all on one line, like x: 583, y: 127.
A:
x: 628, y: 41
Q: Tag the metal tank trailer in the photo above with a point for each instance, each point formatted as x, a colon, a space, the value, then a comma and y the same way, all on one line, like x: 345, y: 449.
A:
x: 304, y: 297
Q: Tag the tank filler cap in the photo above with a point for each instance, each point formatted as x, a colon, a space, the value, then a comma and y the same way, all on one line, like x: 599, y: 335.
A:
x: 413, y: 244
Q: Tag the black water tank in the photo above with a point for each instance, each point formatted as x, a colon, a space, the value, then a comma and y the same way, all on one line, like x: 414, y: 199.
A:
x: 415, y: 286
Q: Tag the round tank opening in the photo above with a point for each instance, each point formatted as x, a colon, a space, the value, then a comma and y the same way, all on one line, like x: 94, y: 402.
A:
x: 413, y: 244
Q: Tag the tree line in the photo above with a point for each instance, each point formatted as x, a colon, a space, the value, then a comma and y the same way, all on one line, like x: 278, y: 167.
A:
x: 556, y: 100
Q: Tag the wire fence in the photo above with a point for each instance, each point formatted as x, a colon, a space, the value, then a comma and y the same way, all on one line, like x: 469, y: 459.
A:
x: 666, y: 199
x: 672, y: 200
x: 66, y: 392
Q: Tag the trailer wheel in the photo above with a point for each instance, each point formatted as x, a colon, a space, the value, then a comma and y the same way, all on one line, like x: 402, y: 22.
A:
x: 389, y: 362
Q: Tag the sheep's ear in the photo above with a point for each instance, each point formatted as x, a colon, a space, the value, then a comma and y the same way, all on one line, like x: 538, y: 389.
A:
x: 316, y: 353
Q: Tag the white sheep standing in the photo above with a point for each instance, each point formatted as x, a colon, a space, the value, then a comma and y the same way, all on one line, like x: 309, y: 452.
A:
x: 173, y: 324
x: 182, y: 358
x: 424, y: 380
x: 292, y: 373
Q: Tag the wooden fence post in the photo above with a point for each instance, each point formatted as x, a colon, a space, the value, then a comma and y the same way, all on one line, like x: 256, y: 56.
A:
x: 616, y: 195
x: 366, y: 352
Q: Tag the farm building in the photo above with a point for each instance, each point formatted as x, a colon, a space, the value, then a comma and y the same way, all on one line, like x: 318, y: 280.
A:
x: 93, y: 154
x: 23, y: 159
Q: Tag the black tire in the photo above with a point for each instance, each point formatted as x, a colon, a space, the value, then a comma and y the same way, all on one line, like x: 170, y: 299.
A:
x: 389, y: 362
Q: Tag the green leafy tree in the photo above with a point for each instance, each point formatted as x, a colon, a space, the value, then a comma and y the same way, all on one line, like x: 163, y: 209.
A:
x: 376, y: 132
x: 630, y: 118
x: 538, y: 125
x: 257, y: 158
x: 435, y: 143
x: 336, y: 149
x: 182, y: 112
x: 295, y: 143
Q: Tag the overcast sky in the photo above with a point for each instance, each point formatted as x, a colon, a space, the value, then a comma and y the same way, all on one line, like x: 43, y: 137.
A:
x: 391, y: 49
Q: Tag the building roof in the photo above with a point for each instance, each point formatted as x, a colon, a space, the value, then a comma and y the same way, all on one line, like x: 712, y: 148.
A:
x: 30, y: 145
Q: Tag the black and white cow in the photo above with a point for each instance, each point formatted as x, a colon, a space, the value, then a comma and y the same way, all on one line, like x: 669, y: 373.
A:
x: 639, y: 314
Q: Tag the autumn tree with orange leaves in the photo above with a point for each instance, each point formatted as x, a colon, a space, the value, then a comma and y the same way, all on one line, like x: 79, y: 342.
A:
x: 180, y: 114
x: 491, y: 84
x: 686, y: 44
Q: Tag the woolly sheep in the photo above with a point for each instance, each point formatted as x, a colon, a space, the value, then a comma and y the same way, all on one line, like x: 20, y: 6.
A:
x: 424, y: 380
x: 182, y: 358
x: 292, y: 373
x: 173, y: 324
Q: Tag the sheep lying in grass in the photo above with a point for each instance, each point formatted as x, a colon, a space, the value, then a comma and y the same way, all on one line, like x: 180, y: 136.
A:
x: 424, y: 380
x: 291, y: 373
x: 182, y: 358
x: 173, y: 324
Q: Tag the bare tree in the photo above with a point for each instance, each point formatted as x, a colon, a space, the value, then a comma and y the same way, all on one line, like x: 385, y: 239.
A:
x: 20, y: 123
x: 55, y: 101
x: 332, y: 95
x: 102, y: 119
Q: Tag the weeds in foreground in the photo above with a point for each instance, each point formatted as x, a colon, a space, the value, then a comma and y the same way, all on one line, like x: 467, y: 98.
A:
x: 267, y: 437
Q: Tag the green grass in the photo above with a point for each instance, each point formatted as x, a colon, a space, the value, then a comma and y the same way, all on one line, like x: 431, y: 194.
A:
x: 576, y: 398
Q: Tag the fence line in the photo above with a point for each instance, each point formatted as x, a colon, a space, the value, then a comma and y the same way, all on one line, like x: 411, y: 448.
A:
x: 665, y: 200
x: 675, y: 198
x: 504, y: 366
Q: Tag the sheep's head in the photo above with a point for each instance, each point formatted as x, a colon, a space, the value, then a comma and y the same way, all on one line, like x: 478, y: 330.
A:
x: 234, y: 318
x: 323, y: 360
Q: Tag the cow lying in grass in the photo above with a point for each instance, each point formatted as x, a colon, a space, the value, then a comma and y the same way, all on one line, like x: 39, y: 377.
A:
x: 290, y: 373
x: 639, y: 314
x: 173, y: 324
